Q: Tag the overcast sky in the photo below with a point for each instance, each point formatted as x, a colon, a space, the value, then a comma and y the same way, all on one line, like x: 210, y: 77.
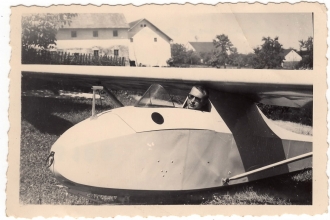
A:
x: 244, y: 30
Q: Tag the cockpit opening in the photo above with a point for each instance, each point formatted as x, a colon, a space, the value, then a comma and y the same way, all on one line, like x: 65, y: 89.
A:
x: 156, y: 96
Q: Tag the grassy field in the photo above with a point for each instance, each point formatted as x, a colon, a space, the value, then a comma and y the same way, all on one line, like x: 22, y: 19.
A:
x: 45, y: 119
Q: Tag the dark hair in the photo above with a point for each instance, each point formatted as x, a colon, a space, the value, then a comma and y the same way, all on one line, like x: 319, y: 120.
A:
x: 203, y: 90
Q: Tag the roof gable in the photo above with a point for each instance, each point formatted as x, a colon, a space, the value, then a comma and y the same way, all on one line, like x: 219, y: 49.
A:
x: 136, y: 23
x: 203, y: 47
x: 133, y: 23
x: 286, y: 52
x: 98, y: 20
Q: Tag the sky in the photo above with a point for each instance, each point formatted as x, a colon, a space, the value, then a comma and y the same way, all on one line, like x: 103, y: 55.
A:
x: 245, y: 30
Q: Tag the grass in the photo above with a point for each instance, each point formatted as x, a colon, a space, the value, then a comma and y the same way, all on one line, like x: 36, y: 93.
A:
x: 295, y: 127
x: 246, y: 197
x: 45, y: 119
x: 289, y: 189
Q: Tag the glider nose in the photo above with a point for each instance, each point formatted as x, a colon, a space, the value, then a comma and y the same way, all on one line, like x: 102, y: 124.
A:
x: 81, y: 140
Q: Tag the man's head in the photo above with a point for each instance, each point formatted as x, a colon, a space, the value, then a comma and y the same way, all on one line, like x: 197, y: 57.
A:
x: 197, y: 97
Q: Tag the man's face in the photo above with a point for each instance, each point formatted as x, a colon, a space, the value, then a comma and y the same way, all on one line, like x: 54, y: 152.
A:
x: 195, y: 99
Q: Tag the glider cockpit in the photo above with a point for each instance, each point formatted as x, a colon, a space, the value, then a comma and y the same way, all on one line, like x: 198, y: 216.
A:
x: 156, y: 96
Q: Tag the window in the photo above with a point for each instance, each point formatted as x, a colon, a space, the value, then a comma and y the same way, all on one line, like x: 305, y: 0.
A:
x: 95, y: 33
x: 145, y: 25
x: 116, y: 52
x: 131, y: 39
x: 141, y: 25
x: 155, y: 39
x: 73, y: 33
x: 96, y: 53
x: 115, y: 33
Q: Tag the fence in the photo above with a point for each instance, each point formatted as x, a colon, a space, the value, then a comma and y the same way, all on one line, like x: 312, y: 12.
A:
x: 63, y: 58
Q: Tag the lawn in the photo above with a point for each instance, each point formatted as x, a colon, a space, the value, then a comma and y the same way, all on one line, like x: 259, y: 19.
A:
x: 45, y: 119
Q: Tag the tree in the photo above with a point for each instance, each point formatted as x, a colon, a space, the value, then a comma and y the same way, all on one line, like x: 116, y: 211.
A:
x: 307, y: 60
x: 223, y: 46
x: 181, y: 55
x: 192, y: 57
x: 248, y: 59
x: 308, y: 44
x: 39, y: 30
x: 268, y: 55
x: 178, y: 53
x: 234, y: 58
x: 206, y: 56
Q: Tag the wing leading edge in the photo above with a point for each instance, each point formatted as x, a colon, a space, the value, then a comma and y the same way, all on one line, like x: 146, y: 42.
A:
x: 281, y: 88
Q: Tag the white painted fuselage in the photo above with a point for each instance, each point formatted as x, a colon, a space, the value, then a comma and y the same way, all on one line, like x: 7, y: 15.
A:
x: 133, y: 150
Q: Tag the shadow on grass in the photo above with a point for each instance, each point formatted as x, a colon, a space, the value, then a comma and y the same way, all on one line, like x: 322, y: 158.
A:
x: 288, y: 189
x: 40, y: 111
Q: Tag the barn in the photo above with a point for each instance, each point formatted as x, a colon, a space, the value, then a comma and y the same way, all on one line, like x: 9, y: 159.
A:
x: 291, y: 58
x: 149, y: 46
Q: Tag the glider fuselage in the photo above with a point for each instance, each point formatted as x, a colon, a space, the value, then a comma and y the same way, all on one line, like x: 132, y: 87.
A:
x: 137, y: 150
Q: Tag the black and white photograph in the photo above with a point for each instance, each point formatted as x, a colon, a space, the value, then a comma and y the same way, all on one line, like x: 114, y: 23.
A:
x: 167, y: 105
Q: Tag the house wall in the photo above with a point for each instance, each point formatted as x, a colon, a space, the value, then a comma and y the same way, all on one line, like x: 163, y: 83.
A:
x: 292, y: 56
x: 189, y: 47
x: 289, y: 64
x: 85, y: 43
x: 105, y: 47
x: 291, y: 60
x: 138, y: 28
x: 87, y: 34
x: 145, y: 51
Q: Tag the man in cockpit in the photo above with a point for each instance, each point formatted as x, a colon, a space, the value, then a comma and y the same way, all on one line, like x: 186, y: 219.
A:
x: 198, y: 98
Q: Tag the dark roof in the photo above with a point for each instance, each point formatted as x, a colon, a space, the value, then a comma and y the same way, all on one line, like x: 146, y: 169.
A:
x: 203, y: 47
x: 303, y: 53
x: 285, y: 52
x: 98, y: 20
x: 134, y: 23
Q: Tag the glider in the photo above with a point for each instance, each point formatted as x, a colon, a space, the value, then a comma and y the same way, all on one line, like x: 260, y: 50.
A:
x: 156, y: 147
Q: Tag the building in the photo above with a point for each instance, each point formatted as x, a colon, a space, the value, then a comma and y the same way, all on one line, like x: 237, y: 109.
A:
x: 291, y: 58
x: 202, y: 48
x: 149, y: 46
x: 96, y: 34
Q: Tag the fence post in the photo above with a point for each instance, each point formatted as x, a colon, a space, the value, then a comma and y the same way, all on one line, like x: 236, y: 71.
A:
x: 64, y: 58
x: 60, y: 58
x: 110, y: 60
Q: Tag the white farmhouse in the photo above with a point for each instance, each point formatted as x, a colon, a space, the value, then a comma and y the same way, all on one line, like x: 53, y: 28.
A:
x: 149, y: 46
x: 95, y: 34
x: 291, y: 58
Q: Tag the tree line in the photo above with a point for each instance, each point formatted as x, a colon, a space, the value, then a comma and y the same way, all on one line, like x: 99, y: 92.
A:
x: 267, y: 56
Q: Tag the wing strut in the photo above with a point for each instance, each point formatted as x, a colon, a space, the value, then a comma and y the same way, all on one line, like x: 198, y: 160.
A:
x: 113, y: 97
x: 300, y: 157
